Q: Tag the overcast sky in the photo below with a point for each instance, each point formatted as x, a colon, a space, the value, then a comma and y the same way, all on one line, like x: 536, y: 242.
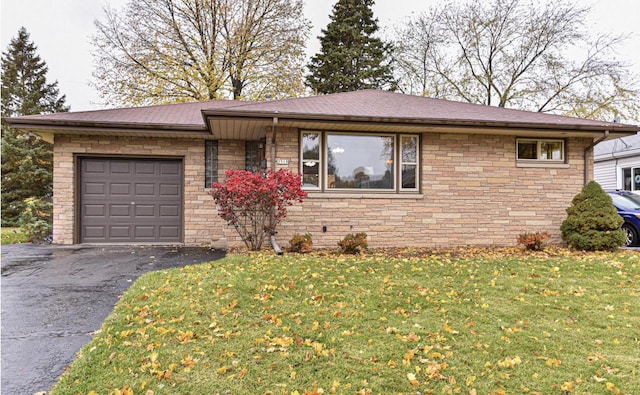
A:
x: 61, y: 30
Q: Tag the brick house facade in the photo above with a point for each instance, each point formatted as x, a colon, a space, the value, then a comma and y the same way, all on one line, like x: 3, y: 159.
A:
x: 460, y: 174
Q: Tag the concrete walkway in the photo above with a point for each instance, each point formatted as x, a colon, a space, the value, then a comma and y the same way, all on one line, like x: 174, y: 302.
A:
x: 55, y: 297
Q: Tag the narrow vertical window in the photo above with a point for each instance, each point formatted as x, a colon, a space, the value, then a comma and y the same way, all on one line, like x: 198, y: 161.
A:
x: 409, y: 162
x: 254, y: 155
x: 310, y: 146
x: 210, y: 162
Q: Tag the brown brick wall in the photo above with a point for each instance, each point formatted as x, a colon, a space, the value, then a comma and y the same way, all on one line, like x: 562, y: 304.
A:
x: 472, y: 192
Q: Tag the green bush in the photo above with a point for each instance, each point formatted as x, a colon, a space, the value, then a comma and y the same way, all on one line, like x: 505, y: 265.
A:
x: 593, y: 223
x: 36, y: 219
x: 301, y: 243
x: 353, y: 243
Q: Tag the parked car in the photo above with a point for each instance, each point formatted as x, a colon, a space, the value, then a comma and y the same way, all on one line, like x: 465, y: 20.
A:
x: 628, y: 205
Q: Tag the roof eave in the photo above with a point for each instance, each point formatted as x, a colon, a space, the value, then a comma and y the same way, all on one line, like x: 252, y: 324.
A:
x: 46, y: 129
x: 617, y: 130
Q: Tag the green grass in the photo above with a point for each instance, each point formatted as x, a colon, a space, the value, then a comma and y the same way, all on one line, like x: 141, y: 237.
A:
x: 467, y: 321
x: 11, y: 237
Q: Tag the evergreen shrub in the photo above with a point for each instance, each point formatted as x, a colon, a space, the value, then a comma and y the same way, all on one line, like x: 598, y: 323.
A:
x: 593, y: 223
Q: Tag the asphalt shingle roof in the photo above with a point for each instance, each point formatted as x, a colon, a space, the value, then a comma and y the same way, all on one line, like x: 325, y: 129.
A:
x: 365, y: 105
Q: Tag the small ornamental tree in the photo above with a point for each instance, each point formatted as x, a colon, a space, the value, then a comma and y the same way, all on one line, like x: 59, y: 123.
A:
x: 254, y: 203
x: 593, y: 223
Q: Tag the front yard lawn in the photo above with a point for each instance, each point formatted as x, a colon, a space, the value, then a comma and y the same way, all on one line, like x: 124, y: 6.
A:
x: 450, y: 322
x: 13, y: 236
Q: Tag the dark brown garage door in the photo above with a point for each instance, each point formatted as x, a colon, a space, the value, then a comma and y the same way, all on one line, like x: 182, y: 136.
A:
x: 130, y: 200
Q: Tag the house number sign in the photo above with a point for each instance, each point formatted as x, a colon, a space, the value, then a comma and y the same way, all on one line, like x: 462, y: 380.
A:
x: 282, y: 161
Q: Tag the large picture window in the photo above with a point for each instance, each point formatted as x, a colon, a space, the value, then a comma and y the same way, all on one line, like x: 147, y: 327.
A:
x: 344, y: 161
x: 540, y: 150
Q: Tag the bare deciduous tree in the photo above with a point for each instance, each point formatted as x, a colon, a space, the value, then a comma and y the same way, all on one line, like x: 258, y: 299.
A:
x: 510, y: 53
x: 158, y: 51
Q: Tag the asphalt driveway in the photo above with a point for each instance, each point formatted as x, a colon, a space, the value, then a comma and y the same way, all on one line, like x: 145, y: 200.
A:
x: 54, y: 298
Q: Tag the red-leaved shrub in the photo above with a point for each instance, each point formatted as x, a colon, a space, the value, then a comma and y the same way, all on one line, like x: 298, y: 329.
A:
x: 254, y: 203
x: 532, y: 241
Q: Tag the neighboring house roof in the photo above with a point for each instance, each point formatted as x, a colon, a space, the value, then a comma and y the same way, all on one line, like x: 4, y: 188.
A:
x: 370, y: 110
x: 622, y: 147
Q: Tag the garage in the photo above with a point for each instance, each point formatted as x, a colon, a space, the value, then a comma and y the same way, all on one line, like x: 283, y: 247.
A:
x: 130, y: 200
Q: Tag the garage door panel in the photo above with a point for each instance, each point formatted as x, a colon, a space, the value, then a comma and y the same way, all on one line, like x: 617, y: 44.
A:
x: 146, y: 168
x: 120, y: 167
x: 145, y: 210
x: 169, y: 190
x: 169, y: 168
x: 145, y: 189
x: 120, y: 210
x: 95, y: 166
x: 130, y: 200
x: 95, y: 188
x: 95, y: 232
x: 95, y: 210
x: 119, y: 232
x: 169, y: 210
x: 169, y: 232
x: 145, y: 231
x: 120, y: 189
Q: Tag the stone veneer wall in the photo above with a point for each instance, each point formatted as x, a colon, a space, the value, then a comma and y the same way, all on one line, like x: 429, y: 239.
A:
x: 473, y: 193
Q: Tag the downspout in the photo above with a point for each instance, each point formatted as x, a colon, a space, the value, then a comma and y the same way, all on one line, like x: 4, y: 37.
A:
x: 586, y: 155
x: 274, y: 243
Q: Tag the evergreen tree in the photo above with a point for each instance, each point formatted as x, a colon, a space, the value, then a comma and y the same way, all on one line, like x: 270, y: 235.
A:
x: 27, y: 169
x: 593, y: 223
x: 351, y: 58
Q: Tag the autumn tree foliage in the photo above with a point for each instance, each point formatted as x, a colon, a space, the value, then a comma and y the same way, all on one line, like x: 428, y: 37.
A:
x: 351, y: 56
x: 161, y: 51
x: 255, y: 203
x: 593, y: 223
x: 27, y: 160
x: 512, y: 53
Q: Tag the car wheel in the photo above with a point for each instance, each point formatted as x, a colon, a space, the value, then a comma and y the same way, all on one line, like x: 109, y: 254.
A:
x: 631, y: 235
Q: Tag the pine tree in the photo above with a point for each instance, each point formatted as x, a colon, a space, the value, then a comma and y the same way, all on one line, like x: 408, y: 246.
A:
x: 593, y: 223
x: 27, y: 169
x: 351, y: 58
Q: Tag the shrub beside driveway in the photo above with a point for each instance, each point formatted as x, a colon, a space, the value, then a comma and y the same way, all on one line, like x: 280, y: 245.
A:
x: 458, y: 321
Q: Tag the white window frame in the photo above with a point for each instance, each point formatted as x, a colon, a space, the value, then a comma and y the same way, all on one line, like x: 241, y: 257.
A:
x: 320, y: 159
x: 402, y: 162
x: 633, y: 170
x: 397, y: 162
x: 539, y: 143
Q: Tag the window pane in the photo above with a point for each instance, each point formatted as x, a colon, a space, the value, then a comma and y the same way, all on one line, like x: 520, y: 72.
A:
x: 210, y: 162
x: 360, y: 162
x: 311, y: 146
x: 310, y: 174
x: 527, y: 150
x: 551, y: 150
x: 409, y: 149
x: 626, y: 179
x: 636, y: 179
x: 409, y: 176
